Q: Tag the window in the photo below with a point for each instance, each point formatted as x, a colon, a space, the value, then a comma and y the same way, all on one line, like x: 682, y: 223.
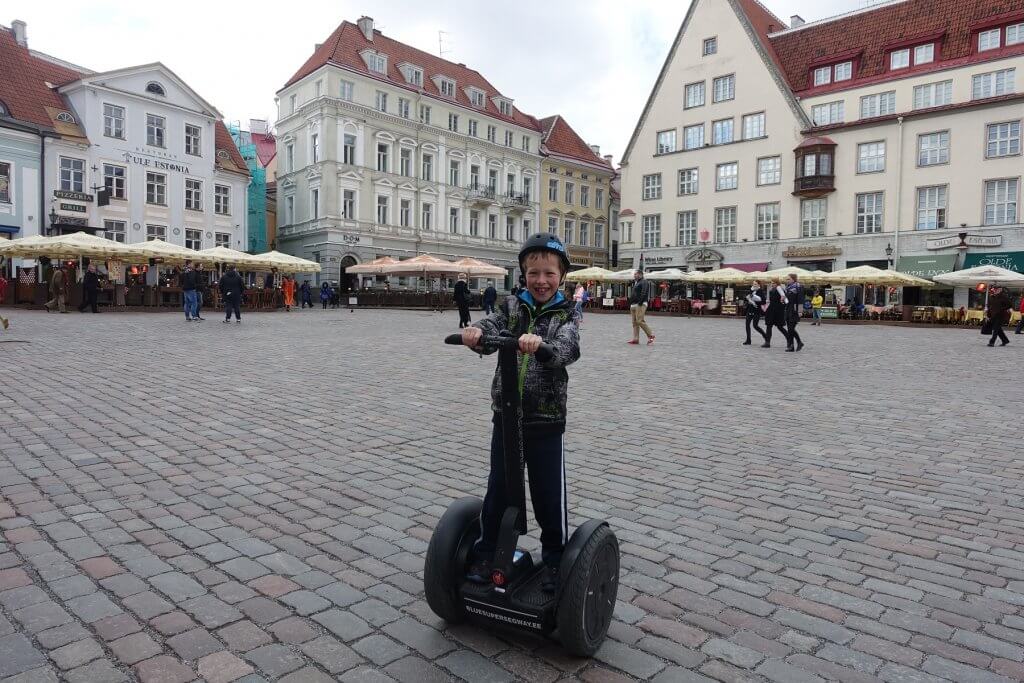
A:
x: 222, y: 200
x: 553, y: 225
x: 474, y: 175
x: 686, y: 228
x: 992, y: 84
x: 824, y: 114
x: 767, y: 226
x: 505, y: 107
x: 510, y: 184
x: 721, y: 131
x: 1001, y: 202
x: 473, y: 123
x: 405, y: 162
x: 769, y: 171
x: 222, y: 239
x: 72, y: 174
x: 492, y: 133
x: 115, y: 230
x: 570, y: 196
x: 156, y: 189
x: 114, y: 178
x: 5, y: 183
x: 453, y: 220
x: 753, y: 126
x: 652, y: 231
x: 599, y: 198
x: 508, y: 138
x: 319, y: 88
x: 155, y: 130
x: 598, y: 234
x: 348, y: 204
x: 314, y: 203
x: 528, y: 189
x: 727, y: 176
x: 725, y: 88
x: 989, y: 40
x: 414, y: 75
x: 65, y: 117
x: 933, y: 148
x: 447, y: 88
x: 453, y: 122
x: 823, y: 75
x: 931, y: 207
x: 844, y: 71
x: 878, y: 105
x: 474, y: 223
x: 193, y: 142
x: 427, y: 217
x: 193, y: 194
x: 348, y: 149
x: 428, y: 167
x: 694, y: 95
x: 510, y: 228
x: 453, y: 173
x: 570, y: 230
x: 526, y: 143
x: 1015, y: 34
x: 405, y: 212
x: 666, y: 141
x: 871, y: 157
x: 693, y: 136
x: 492, y: 226
x: 291, y: 103
x: 290, y: 156
x: 113, y: 121
x: 689, y: 181
x: 194, y: 239
x: 812, y: 217
x: 899, y: 59
x: 289, y: 210
x: 924, y: 53
x: 584, y: 195
x: 314, y: 145
x: 382, y: 209
x: 425, y: 114
x: 710, y: 46
x: 347, y: 90
x: 869, y: 212
x: 652, y: 186
x: 382, y: 101
x: 477, y: 98
x: 403, y: 107
x: 378, y: 63
x: 584, y: 233
x: 156, y: 232
x: 1003, y: 139
x: 383, y: 150
x: 553, y: 190
x: 933, y: 94
x: 725, y: 224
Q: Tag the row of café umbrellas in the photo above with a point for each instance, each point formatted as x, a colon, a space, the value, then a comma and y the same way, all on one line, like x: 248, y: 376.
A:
x: 427, y: 265
x: 858, y: 275
x: 85, y: 245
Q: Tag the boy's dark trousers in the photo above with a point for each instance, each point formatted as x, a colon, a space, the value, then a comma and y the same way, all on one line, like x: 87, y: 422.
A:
x: 546, y: 466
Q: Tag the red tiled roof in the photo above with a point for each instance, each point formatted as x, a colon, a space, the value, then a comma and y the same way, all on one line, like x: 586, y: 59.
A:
x: 23, y: 87
x: 561, y: 140
x: 266, y: 147
x: 764, y: 23
x: 815, y: 141
x: 224, y: 142
x: 878, y: 30
x: 345, y: 43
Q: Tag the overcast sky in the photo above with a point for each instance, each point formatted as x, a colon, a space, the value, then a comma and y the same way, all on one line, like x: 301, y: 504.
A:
x: 592, y: 61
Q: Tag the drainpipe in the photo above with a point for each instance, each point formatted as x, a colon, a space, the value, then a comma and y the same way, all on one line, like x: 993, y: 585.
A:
x: 899, y: 190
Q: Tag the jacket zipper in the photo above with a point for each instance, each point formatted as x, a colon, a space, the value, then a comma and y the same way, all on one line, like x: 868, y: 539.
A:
x: 526, y: 356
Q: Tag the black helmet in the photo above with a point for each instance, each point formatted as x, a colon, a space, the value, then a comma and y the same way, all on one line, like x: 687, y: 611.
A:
x: 545, y: 241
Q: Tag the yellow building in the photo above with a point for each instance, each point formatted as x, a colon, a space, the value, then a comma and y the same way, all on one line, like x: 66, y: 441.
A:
x: 575, y: 193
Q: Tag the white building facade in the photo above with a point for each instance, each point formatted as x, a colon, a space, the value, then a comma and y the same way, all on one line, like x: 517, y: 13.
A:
x: 398, y: 154
x: 831, y: 144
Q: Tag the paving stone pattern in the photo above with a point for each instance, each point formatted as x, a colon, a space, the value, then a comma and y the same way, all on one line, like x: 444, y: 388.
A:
x: 252, y: 502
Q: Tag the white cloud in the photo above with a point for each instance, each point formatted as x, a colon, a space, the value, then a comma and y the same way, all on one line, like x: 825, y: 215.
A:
x: 593, y: 61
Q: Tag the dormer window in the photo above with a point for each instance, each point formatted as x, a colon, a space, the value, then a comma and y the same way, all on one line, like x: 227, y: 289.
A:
x: 840, y: 71
x: 899, y: 59
x: 477, y: 98
x: 823, y: 75
x: 922, y: 54
x: 505, y: 107
x: 844, y: 71
x: 375, y: 61
x: 413, y: 74
x: 447, y: 87
x: 1015, y: 34
x: 155, y: 88
x: 65, y: 117
x: 990, y: 40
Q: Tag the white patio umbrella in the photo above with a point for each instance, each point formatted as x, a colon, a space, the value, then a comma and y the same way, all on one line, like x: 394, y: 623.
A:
x: 423, y: 265
x: 669, y: 275
x: 474, y: 267
x: 238, y: 258
x: 990, y: 275
x: 625, y: 275
x: 723, y: 276
x: 289, y: 263
x: 588, y: 274
x: 170, y: 253
x: 374, y: 267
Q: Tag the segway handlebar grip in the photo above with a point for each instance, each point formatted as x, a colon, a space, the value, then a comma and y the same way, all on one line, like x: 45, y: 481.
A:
x: 545, y: 352
x: 453, y: 339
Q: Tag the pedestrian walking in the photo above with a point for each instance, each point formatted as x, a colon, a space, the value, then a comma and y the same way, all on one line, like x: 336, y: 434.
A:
x: 816, y: 302
x: 202, y: 287
x: 490, y: 296
x: 795, y: 303
x: 189, y: 280
x: 325, y: 294
x: 639, y: 298
x: 775, y: 315
x: 998, y: 314
x: 306, y: 294
x: 4, y: 322
x: 577, y: 297
x: 753, y: 311
x: 462, y: 300
x: 288, y: 287
x: 58, y: 290
x: 90, y: 289
x: 231, y: 288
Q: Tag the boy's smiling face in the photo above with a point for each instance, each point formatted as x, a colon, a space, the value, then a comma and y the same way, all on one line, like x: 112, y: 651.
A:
x: 543, y: 275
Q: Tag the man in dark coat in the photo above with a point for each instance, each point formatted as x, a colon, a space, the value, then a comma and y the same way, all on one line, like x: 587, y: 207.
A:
x: 90, y: 289
x: 231, y: 287
x: 189, y: 280
x: 998, y: 314
x: 462, y: 300
x: 58, y: 290
x: 490, y: 296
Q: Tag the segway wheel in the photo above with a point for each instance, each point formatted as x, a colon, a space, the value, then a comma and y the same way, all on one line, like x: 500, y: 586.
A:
x: 588, y: 594
x: 445, y: 565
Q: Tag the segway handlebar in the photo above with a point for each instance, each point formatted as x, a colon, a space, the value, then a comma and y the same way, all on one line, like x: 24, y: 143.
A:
x: 544, y: 353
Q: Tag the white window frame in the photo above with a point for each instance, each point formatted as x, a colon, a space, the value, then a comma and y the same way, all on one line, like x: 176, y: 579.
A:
x: 1001, y: 201
x: 348, y: 148
x: 116, y: 183
x: 724, y: 88
x: 447, y: 87
x: 427, y: 166
x: 381, y: 101
x: 113, y: 121
x: 115, y: 230
x: 222, y: 200
x: 870, y: 212
x: 570, y: 191
x: 570, y: 230
x: 871, y: 157
x: 822, y: 75
x: 314, y: 203
x: 599, y: 234
x: 425, y: 114
x: 193, y: 194
x: 1014, y: 34
x: 553, y: 189
x: 598, y: 197
x: 710, y: 46
x: 156, y: 131
x: 348, y: 203
x: 990, y: 39
x: 723, y: 131
x: 686, y: 228
x: 899, y: 59
x: 843, y: 71
x: 453, y: 122
x: 767, y: 218
x: 314, y: 147
x: 931, y: 207
x: 828, y: 113
x: 1002, y: 139
x: 405, y: 212
x: 813, y: 217
x: 651, y: 185
x: 924, y: 54
x: 694, y: 95
x: 156, y: 188
x: 404, y: 106
x: 383, y: 157
x: 453, y: 220
x: 584, y: 196
x: 492, y: 226
x: 193, y: 239
x: 878, y: 104
x: 193, y: 140
x: 72, y: 174
x: 347, y: 90
x: 769, y: 171
x: 727, y: 176
x: 426, y: 216
x: 933, y: 94
x: 473, y: 127
x: 687, y: 137
x: 222, y: 239
x: 454, y: 172
x: 584, y: 233
x: 666, y: 141
x: 651, y: 230
x: 754, y: 126
x: 156, y: 232
x: 383, y: 209
x: 725, y: 224
x: 689, y: 181
x: 933, y: 148
x: 993, y: 84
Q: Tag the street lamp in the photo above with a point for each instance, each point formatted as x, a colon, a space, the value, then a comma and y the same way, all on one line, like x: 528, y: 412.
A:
x: 53, y: 219
x: 888, y: 253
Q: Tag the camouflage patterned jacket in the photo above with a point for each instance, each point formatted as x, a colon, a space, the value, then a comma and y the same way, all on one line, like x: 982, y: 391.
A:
x: 542, y: 386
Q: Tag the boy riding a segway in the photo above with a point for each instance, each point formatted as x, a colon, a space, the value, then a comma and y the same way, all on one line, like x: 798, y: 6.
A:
x: 539, y: 314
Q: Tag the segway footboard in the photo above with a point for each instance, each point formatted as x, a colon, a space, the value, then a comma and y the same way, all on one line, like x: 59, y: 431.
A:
x: 522, y: 604
x: 589, y: 585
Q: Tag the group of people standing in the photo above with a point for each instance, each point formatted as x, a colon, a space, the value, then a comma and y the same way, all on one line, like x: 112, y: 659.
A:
x: 781, y: 307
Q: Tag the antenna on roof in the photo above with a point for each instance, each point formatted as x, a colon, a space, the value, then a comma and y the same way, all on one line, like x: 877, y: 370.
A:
x: 440, y: 44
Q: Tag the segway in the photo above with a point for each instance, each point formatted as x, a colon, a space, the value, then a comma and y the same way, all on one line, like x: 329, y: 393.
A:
x: 581, y: 610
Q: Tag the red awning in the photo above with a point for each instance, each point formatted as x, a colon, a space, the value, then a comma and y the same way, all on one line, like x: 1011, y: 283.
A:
x: 747, y: 267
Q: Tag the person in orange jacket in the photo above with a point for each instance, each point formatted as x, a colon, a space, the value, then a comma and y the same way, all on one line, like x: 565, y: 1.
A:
x: 288, y: 285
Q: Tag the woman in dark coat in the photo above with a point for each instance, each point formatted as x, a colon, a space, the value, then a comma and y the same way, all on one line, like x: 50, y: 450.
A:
x: 998, y: 314
x: 753, y: 311
x: 775, y: 316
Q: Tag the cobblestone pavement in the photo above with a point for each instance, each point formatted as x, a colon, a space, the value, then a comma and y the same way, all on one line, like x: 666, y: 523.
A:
x: 253, y: 501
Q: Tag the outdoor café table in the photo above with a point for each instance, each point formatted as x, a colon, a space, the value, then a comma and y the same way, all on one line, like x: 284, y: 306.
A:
x: 170, y: 296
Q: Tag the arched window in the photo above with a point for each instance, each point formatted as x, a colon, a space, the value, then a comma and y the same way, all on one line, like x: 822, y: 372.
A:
x: 156, y: 89
x: 3, y: 109
x: 65, y: 117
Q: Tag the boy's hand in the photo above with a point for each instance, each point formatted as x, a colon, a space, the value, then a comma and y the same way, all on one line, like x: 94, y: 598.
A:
x: 471, y: 336
x: 529, y: 343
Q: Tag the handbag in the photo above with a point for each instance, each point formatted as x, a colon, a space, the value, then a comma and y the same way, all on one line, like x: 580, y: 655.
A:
x: 986, y: 326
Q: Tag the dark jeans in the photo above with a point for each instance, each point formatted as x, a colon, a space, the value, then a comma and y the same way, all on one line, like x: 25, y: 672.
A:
x: 793, y: 336
x: 307, y: 300
x: 997, y: 331
x: 546, y: 466
x: 1020, y: 325
x: 199, y: 302
x: 768, y: 333
x: 488, y: 307
x: 89, y: 299
x: 232, y: 303
x: 464, y: 315
x: 753, y: 320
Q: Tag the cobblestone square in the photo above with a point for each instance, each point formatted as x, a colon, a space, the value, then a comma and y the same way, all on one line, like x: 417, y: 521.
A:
x: 253, y: 502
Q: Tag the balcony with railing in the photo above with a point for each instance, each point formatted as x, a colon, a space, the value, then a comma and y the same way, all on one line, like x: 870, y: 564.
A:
x: 516, y: 202
x: 481, y: 195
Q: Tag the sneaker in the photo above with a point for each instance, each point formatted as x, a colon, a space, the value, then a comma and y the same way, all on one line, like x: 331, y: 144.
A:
x: 633, y: 341
x: 479, y: 572
x: 790, y: 349
x: 198, y: 318
x: 239, y: 322
x: 1004, y: 343
x: 188, y: 320
x: 746, y: 343
x: 766, y: 345
x: 991, y: 343
x: 227, y: 320
x: 550, y: 582
x: 799, y: 345
x: 650, y: 340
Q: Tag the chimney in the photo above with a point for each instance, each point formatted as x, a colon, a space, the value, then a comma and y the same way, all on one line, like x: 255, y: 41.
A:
x: 608, y: 158
x: 796, y: 20
x: 19, y: 32
x: 258, y: 126
x: 596, y: 149
x: 317, y: 47
x: 366, y: 26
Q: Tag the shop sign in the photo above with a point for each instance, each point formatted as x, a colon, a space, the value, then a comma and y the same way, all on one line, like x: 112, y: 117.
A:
x: 658, y: 260
x: 77, y: 208
x: 817, y: 250
x: 346, y: 238
x: 1012, y: 260
x: 703, y: 258
x: 77, y: 196
x: 71, y: 220
x: 155, y: 163
x: 963, y: 240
